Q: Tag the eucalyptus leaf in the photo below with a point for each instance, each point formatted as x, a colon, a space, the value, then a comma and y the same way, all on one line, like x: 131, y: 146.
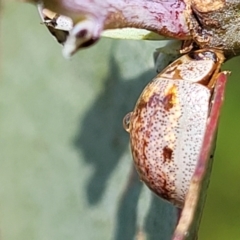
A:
x: 66, y: 167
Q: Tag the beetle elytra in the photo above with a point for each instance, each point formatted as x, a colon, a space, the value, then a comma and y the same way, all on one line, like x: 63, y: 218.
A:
x: 167, y: 125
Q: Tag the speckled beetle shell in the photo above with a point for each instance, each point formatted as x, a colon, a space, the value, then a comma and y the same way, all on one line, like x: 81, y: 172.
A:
x: 168, y: 123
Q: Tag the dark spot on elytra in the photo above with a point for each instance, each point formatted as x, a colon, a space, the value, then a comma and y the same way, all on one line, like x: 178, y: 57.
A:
x: 141, y: 105
x: 167, y: 154
x: 166, y: 193
x: 168, y: 101
x: 153, y: 100
x: 144, y: 149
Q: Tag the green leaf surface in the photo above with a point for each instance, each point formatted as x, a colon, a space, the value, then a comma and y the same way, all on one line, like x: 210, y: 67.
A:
x: 132, y: 33
x: 66, y: 169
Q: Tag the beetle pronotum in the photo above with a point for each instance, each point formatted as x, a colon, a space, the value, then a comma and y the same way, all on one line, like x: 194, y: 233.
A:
x: 168, y: 123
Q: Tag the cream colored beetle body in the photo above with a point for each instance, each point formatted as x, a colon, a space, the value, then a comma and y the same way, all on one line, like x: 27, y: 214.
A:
x: 168, y: 123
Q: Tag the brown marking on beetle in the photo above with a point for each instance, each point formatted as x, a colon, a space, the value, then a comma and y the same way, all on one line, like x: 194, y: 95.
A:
x: 167, y: 154
x: 142, y: 104
x: 165, y: 192
x: 145, y: 145
x: 170, y: 98
x: 168, y: 101
x: 170, y: 70
x: 153, y: 100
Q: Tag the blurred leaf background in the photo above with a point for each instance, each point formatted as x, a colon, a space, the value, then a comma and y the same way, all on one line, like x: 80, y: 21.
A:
x: 65, y: 165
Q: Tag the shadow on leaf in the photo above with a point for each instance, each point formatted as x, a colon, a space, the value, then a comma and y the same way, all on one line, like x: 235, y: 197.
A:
x: 102, y: 138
